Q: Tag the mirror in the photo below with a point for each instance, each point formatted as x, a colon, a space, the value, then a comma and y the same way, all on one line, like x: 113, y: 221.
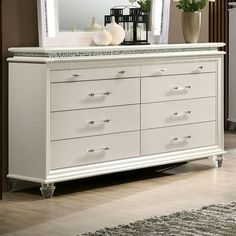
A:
x: 68, y: 22
x: 73, y: 17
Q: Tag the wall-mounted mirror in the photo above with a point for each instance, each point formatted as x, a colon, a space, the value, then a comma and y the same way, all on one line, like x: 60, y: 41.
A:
x: 68, y: 22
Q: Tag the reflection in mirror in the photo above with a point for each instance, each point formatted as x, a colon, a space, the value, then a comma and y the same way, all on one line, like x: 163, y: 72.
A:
x: 77, y: 15
x: 75, y: 19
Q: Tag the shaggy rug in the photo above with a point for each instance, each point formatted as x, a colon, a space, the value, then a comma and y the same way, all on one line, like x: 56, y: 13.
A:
x: 214, y: 220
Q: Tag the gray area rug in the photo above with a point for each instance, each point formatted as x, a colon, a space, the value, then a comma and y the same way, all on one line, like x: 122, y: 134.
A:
x: 214, y: 220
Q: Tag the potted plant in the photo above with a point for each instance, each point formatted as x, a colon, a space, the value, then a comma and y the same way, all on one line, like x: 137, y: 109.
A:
x: 145, y: 5
x: 191, y: 18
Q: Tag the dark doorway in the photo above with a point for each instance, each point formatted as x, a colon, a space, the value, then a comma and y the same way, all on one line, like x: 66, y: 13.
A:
x: 1, y: 101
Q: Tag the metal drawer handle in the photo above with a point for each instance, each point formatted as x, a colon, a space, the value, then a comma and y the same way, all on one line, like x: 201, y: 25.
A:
x: 93, y: 122
x: 199, y: 69
x: 99, y: 150
x: 122, y: 72
x: 184, y: 139
x: 182, y: 113
x: 76, y: 75
x: 99, y: 94
x: 163, y: 70
x: 181, y: 88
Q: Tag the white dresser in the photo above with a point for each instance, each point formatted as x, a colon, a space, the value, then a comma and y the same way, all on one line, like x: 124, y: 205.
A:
x: 75, y: 113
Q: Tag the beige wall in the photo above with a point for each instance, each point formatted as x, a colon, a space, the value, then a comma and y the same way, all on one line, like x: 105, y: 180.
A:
x: 175, y: 34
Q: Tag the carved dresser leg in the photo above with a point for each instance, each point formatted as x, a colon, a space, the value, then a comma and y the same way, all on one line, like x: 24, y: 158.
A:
x: 47, y: 190
x: 218, y: 161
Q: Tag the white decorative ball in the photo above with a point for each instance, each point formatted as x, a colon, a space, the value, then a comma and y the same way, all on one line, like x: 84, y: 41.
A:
x: 102, y: 38
x: 117, y: 32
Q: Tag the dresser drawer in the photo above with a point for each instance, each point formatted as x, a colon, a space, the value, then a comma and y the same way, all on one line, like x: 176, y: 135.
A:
x: 177, y: 112
x: 90, y: 94
x: 95, y: 74
x: 166, y: 88
x: 72, y: 124
x: 91, y: 150
x: 178, y: 68
x: 177, y: 138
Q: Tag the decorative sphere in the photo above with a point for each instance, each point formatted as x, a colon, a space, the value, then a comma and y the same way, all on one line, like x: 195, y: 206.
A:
x: 117, y: 32
x: 102, y: 38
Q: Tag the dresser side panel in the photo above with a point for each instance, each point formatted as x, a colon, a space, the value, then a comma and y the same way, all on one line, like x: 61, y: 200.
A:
x: 27, y: 120
x: 220, y: 103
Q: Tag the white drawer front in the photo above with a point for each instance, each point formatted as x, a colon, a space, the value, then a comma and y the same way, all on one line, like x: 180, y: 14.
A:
x: 90, y: 94
x: 178, y: 68
x: 82, y: 151
x: 95, y: 74
x: 177, y: 112
x: 155, y: 89
x: 176, y: 138
x: 72, y: 124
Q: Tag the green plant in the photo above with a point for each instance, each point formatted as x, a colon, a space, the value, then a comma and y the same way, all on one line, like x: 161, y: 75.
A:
x: 192, y: 5
x: 145, y: 5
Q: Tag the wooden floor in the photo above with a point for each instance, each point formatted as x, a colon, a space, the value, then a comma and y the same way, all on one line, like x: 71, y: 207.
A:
x: 87, y: 205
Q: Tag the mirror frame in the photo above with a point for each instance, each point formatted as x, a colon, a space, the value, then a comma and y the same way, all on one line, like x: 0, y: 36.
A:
x: 82, y: 39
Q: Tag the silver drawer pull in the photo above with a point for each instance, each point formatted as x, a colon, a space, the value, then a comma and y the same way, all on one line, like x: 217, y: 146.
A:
x: 163, y: 70
x: 93, y: 122
x: 76, y: 75
x: 184, y: 139
x: 99, y: 150
x: 122, y: 72
x: 182, y: 113
x: 198, y: 69
x: 99, y: 94
x: 181, y: 88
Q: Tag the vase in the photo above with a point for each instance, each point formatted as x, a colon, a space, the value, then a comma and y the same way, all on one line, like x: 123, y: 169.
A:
x: 191, y: 26
x: 117, y: 32
x: 102, y: 38
x: 94, y: 26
